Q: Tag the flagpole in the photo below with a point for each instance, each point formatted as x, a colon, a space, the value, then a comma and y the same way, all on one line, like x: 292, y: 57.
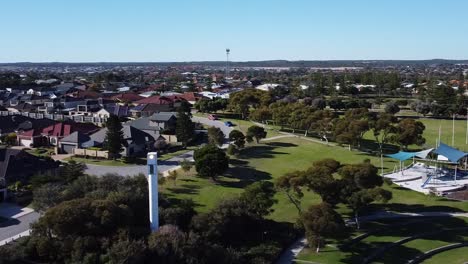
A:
x: 466, y: 137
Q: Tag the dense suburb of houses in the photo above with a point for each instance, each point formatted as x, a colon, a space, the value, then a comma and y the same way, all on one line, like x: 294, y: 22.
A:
x: 305, y: 145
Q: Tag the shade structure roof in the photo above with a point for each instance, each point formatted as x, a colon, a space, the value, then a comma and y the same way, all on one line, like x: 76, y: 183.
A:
x: 402, y: 155
x: 452, y: 154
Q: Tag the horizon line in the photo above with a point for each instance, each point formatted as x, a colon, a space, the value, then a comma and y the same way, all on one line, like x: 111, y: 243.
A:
x: 223, y: 61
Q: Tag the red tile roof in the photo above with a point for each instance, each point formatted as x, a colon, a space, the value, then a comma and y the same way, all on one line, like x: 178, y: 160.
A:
x: 128, y: 97
x: 161, y: 100
x: 60, y: 130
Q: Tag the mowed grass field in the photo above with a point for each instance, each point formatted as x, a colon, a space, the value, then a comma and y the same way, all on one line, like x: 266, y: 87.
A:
x: 270, y: 160
x: 431, y: 133
x: 422, y: 235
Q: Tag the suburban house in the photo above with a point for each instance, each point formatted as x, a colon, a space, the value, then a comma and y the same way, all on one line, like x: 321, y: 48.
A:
x: 158, y: 125
x: 19, y: 123
x: 51, y: 135
x: 18, y: 165
x: 116, y: 109
x: 73, y: 141
x: 41, y: 91
x: 136, y: 141
x: 162, y: 103
x: 126, y: 98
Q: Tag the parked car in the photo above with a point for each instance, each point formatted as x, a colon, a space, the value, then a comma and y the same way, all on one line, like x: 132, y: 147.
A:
x: 228, y: 124
x: 212, y: 117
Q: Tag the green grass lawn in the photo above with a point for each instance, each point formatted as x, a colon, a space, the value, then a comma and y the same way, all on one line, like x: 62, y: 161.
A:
x: 102, y: 162
x: 384, y: 234
x: 459, y: 255
x: 268, y: 161
x: 431, y: 132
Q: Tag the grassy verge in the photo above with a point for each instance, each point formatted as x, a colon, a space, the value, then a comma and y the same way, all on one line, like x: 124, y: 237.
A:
x: 102, y: 162
x: 458, y: 255
x: 385, y: 234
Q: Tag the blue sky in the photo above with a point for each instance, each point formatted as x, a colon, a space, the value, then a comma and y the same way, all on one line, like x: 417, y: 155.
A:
x: 194, y: 30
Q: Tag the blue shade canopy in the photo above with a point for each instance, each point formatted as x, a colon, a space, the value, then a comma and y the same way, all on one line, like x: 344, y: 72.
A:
x: 452, y: 154
x: 402, y: 155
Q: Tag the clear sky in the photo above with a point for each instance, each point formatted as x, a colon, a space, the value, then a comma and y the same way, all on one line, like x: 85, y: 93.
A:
x: 195, y: 30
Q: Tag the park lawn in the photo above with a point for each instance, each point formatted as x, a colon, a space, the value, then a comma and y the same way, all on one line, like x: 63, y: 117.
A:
x: 268, y: 161
x: 103, y: 162
x: 431, y: 133
x: 382, y: 236
x: 458, y: 255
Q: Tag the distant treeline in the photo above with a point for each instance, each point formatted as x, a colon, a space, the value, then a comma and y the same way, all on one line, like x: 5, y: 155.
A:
x: 268, y: 63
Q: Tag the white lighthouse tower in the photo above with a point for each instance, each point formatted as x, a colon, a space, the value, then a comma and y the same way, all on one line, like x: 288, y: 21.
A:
x: 152, y: 162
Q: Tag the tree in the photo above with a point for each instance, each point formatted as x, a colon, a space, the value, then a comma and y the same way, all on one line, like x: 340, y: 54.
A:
x: 392, y: 108
x: 256, y: 132
x: 184, y: 107
x: 352, y: 127
x: 319, y: 103
x: 186, y: 165
x: 172, y: 176
x: 210, y: 161
x: 237, y: 138
x: 259, y: 198
x: 160, y: 144
x: 232, y: 150
x: 408, y: 132
x: 321, y: 222
x: 72, y: 170
x: 185, y: 128
x: 241, y: 102
x: 47, y: 196
x: 291, y: 184
x: 10, y: 139
x: 215, y: 136
x: 114, y: 140
x: 362, y: 198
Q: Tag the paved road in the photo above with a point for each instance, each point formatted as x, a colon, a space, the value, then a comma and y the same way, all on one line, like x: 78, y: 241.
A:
x: 216, y: 123
x: 134, y: 170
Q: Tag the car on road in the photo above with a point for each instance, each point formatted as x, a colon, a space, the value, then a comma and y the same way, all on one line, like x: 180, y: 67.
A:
x: 212, y: 117
x: 228, y: 124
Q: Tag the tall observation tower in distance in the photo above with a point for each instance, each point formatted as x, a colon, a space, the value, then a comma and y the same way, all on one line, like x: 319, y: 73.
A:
x: 152, y: 163
x: 227, y: 62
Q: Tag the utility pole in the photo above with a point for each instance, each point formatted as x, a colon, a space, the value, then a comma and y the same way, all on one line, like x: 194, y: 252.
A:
x: 152, y: 163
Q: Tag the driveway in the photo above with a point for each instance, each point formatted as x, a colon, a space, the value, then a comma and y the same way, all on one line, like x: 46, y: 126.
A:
x: 18, y: 223
x: 134, y: 170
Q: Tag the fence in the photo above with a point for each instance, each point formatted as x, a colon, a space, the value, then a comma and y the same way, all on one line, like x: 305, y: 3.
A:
x: 58, y: 117
x: 91, y: 153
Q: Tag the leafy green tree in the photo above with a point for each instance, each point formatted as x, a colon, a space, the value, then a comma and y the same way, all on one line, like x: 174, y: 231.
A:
x: 210, y: 161
x: 256, y: 132
x: 232, y: 150
x: 185, y: 128
x: 72, y: 170
x: 291, y: 185
x: 408, y: 132
x: 184, y: 107
x: 237, y: 138
x: 10, y: 139
x: 392, y: 108
x: 47, y: 196
x: 114, y: 140
x: 215, y: 136
x: 186, y: 165
x: 241, y: 102
x: 321, y: 222
x: 259, y: 198
x: 362, y: 198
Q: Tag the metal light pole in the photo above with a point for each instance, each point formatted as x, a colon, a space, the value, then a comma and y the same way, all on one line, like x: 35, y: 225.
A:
x: 152, y: 163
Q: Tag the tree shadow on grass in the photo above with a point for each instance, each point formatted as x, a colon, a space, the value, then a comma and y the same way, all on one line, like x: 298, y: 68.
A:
x: 414, y: 208
x: 259, y: 152
x: 185, y: 189
x: 244, y: 176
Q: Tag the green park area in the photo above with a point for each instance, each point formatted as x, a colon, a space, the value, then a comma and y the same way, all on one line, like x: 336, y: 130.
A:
x: 273, y: 158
